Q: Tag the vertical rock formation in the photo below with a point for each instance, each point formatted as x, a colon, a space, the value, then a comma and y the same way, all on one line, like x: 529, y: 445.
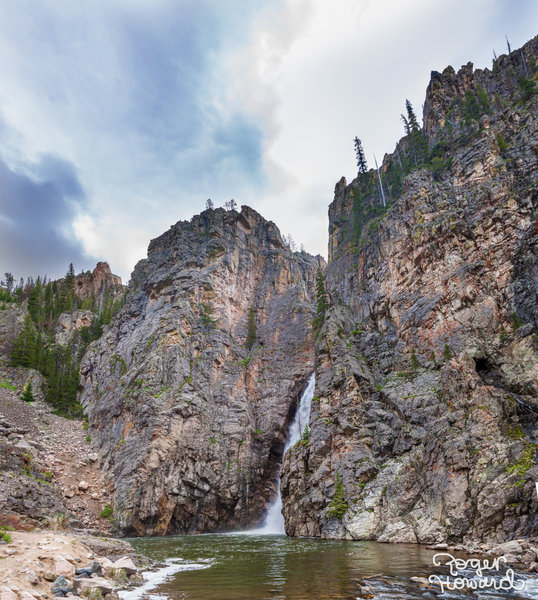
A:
x: 92, y: 284
x: 427, y: 363
x: 190, y: 390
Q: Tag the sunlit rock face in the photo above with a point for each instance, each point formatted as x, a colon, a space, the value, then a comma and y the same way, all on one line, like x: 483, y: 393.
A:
x: 427, y: 366
x: 191, y: 389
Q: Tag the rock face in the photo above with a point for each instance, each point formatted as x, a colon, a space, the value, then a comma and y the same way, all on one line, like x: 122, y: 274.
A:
x: 95, y: 283
x: 190, y: 391
x: 68, y: 323
x: 427, y: 361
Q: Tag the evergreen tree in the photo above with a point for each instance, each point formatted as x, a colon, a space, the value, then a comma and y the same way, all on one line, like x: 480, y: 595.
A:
x: 23, y: 349
x: 28, y: 395
x: 322, y: 301
x: 8, y: 282
x: 471, y: 109
x: 361, y: 159
x: 35, y: 302
x: 411, y: 117
x: 419, y: 146
x: 528, y: 88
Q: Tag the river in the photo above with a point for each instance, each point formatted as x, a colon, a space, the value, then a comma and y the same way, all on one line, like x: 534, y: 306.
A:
x: 276, y: 567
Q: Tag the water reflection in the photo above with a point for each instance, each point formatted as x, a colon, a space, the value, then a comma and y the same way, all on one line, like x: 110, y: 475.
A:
x: 280, y: 568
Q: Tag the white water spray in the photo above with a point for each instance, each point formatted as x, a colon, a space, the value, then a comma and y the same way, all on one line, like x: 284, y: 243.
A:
x: 274, y: 521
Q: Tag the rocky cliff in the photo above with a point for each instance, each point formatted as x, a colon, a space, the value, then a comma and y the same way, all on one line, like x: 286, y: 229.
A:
x: 424, y: 424
x: 97, y: 283
x: 190, y: 391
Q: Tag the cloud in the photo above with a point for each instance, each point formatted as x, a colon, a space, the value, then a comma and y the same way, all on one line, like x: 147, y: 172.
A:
x: 36, y: 213
x: 160, y: 105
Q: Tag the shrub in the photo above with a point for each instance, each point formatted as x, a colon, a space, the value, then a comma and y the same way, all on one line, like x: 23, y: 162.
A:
x: 414, y: 361
x: 527, y: 86
x: 106, y: 512
x: 503, y: 146
x: 305, y: 438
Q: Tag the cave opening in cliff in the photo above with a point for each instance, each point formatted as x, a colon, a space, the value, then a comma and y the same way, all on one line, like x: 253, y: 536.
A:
x: 483, y: 366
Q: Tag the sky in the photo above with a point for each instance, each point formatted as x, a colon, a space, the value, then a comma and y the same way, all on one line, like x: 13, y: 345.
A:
x: 120, y: 117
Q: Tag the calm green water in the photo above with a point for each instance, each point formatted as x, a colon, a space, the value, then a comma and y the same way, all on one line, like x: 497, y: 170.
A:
x: 248, y: 567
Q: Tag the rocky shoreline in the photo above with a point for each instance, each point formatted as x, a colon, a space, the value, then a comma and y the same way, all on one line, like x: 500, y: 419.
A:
x: 45, y: 564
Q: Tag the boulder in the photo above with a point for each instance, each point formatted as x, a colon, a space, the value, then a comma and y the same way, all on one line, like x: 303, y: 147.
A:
x: 126, y: 564
x: 32, y: 577
x: 63, y: 567
x: 7, y: 594
x: 81, y: 585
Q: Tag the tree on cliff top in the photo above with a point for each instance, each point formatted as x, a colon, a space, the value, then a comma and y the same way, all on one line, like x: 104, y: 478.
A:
x: 361, y: 159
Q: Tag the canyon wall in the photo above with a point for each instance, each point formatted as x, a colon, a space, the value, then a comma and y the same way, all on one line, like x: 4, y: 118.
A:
x: 424, y: 424
x: 191, y: 389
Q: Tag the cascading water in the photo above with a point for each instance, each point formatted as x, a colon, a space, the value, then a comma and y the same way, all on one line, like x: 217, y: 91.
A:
x: 274, y: 521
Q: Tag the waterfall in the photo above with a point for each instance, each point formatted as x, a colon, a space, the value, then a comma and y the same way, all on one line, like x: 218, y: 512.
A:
x: 274, y: 521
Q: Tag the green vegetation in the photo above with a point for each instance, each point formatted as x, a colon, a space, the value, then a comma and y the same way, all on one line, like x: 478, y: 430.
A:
x: 5, y: 536
x: 361, y: 159
x: 414, y: 361
x: 117, y: 360
x: 522, y: 466
x: 338, y: 504
x: 106, y: 512
x: 322, y: 302
x: 503, y: 146
x: 28, y: 395
x: 251, y: 329
x: 447, y: 353
x: 7, y: 385
x: 528, y: 88
x: 207, y: 315
x: 305, y: 438
x: 516, y: 321
x: 35, y: 346
x: 415, y: 136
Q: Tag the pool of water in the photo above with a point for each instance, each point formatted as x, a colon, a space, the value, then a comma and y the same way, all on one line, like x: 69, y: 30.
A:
x: 262, y: 567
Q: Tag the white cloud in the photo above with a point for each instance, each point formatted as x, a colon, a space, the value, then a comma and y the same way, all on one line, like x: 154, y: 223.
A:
x: 161, y: 105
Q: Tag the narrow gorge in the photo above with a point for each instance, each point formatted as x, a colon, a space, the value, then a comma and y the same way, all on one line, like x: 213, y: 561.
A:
x: 423, y: 422
x: 420, y: 333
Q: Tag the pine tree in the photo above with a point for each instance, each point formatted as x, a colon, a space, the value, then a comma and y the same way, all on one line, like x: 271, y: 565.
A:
x: 361, y: 159
x: 419, y: 146
x: 28, y: 395
x: 35, y: 302
x: 23, y: 349
x: 322, y: 301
